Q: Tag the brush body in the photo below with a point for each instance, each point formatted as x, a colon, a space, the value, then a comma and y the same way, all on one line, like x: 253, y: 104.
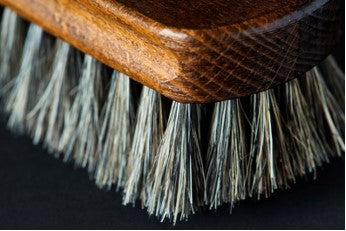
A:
x: 195, y: 51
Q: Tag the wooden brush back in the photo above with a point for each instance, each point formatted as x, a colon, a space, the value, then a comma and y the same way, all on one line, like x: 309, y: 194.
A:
x: 195, y: 50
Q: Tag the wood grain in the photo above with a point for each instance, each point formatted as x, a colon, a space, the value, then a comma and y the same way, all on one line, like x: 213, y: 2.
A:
x: 197, y: 50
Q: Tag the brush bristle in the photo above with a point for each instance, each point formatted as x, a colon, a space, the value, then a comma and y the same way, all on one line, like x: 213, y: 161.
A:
x: 11, y: 46
x: 226, y: 157
x: 116, y: 133
x: 119, y: 131
x: 177, y: 180
x: 17, y: 102
x: 147, y: 136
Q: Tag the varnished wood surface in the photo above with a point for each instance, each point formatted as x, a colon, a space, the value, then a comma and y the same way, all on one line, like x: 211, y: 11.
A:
x: 197, y: 50
x: 199, y: 14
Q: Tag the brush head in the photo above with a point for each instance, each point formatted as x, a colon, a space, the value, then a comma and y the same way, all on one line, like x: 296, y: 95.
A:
x: 195, y: 51
x: 174, y: 157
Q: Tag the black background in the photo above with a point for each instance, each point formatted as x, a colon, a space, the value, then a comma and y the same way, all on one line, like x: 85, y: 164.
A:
x: 38, y: 191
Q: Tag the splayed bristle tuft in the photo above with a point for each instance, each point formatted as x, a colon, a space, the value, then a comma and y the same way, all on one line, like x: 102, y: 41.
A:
x: 226, y: 155
x: 11, y: 46
x: 116, y: 133
x: 18, y: 99
x: 44, y: 116
x: 177, y: 176
x: 146, y: 139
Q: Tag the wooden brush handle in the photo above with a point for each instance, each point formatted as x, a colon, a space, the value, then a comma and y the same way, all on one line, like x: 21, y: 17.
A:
x: 195, y: 50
